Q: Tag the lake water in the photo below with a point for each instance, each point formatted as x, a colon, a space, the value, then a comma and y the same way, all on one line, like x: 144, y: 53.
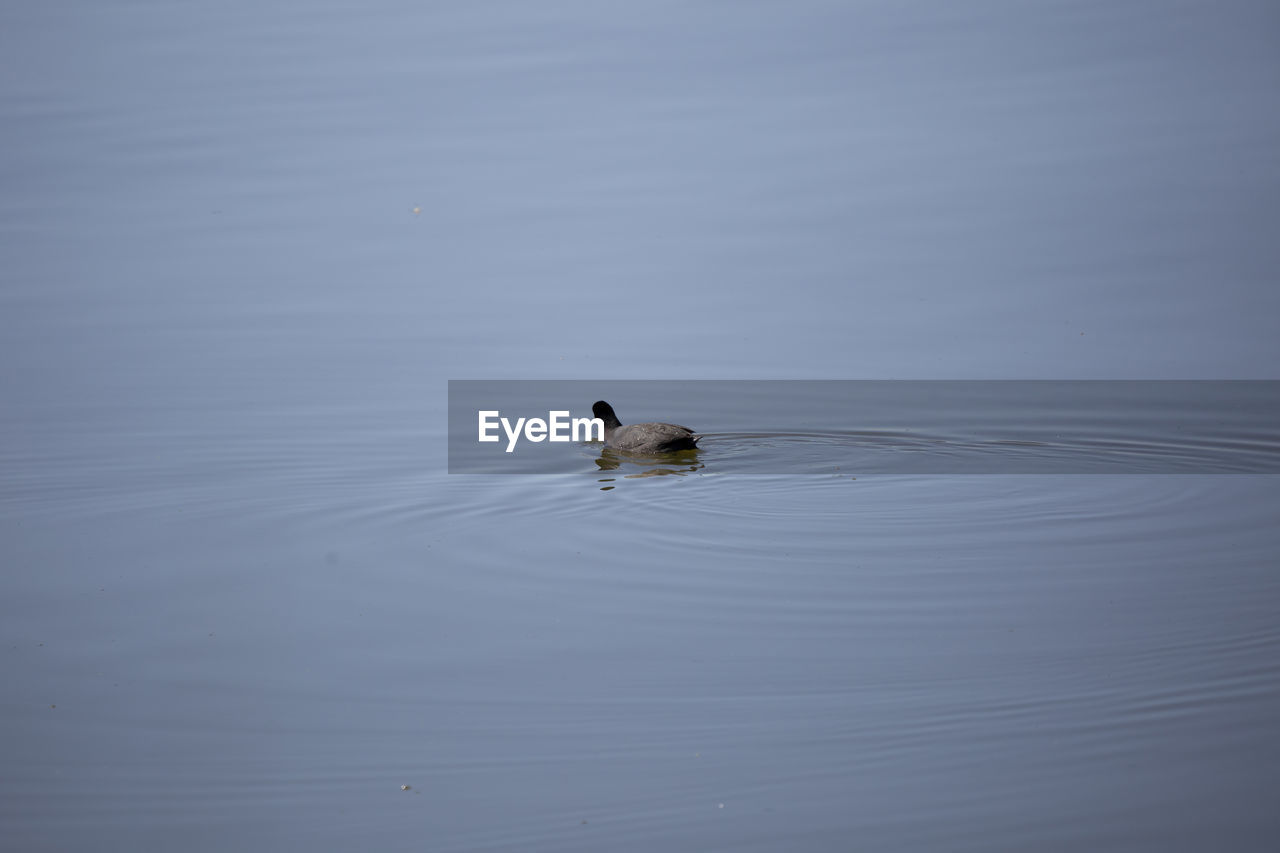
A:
x: 247, y: 247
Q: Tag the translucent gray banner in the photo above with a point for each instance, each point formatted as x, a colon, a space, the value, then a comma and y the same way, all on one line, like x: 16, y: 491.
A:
x: 857, y: 427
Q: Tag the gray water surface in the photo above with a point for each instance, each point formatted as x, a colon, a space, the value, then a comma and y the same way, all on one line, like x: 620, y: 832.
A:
x: 246, y: 246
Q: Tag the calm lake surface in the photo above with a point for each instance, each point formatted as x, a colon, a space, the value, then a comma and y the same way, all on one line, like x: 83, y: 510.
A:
x: 246, y: 247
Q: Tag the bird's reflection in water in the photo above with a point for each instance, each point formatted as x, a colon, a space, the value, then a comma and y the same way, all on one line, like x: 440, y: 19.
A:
x: 646, y: 465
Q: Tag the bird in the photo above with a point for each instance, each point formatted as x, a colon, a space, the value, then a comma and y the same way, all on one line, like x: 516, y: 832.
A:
x: 643, y: 438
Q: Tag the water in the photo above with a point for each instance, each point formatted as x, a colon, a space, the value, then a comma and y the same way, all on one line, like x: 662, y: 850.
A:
x: 245, y: 250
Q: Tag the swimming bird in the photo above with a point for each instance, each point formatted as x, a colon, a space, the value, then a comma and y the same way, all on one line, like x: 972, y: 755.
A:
x: 643, y: 438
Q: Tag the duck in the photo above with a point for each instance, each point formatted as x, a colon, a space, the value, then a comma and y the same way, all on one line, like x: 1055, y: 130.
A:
x: 643, y: 438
